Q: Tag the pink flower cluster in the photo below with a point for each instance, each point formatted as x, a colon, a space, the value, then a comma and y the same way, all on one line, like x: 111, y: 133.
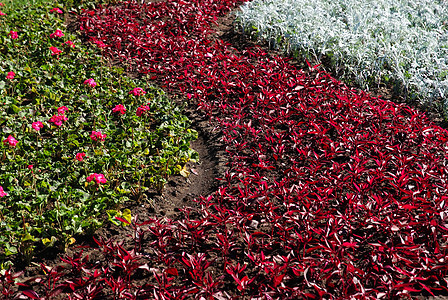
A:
x: 80, y: 156
x: 10, y: 75
x: 57, y: 10
x: 37, y: 125
x: 60, y: 118
x: 98, y: 136
x: 57, y: 33
x: 142, y: 109
x: 13, y: 34
x: 2, y: 192
x: 90, y: 82
x: 2, y: 13
x: 119, y: 108
x: 98, y: 178
x: 70, y: 44
x: 62, y: 110
x: 11, y: 141
x: 137, y: 92
x: 55, y: 51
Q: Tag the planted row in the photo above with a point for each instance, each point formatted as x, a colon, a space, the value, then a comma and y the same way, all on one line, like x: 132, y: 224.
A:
x: 79, y: 137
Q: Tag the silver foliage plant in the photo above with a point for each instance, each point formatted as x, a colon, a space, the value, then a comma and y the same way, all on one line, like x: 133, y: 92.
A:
x: 405, y: 41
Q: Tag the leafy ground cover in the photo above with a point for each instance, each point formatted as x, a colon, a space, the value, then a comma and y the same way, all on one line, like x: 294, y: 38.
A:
x: 77, y: 140
x: 328, y: 192
x: 404, y: 42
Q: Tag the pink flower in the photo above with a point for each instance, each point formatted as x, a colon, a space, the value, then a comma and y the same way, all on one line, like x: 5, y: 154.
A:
x: 55, y: 51
x: 37, y: 125
x: 62, y: 110
x: 90, y: 82
x: 57, y: 10
x: 97, y: 136
x: 58, y: 120
x: 11, y: 141
x: 70, y: 43
x: 98, y: 178
x: 57, y: 33
x: 13, y: 34
x: 80, y: 156
x: 2, y: 13
x: 119, y: 108
x: 137, y: 92
x: 30, y: 167
x: 2, y: 192
x: 141, y: 110
x: 10, y: 75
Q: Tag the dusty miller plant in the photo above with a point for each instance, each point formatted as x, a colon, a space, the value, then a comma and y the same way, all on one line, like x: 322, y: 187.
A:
x: 404, y: 41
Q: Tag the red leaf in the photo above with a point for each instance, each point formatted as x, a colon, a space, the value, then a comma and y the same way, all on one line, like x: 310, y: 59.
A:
x: 172, y: 271
x: 278, y: 279
x: 31, y: 294
x: 349, y: 245
x: 241, y: 284
x: 123, y: 220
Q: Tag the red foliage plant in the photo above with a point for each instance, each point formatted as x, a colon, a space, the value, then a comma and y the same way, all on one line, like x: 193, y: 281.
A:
x: 328, y: 192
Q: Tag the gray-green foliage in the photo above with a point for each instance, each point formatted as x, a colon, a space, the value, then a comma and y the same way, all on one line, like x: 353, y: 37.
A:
x: 404, y: 41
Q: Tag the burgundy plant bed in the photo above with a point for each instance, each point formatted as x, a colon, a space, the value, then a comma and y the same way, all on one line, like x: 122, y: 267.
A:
x: 328, y: 192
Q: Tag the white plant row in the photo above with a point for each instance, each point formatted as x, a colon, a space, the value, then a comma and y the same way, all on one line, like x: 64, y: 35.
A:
x: 374, y: 40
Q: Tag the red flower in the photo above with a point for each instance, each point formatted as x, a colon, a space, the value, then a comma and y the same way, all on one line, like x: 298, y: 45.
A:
x: 10, y: 75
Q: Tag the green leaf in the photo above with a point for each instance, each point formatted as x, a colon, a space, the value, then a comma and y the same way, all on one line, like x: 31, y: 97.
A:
x: 49, y: 242
x: 10, y: 250
x: 27, y: 237
x: 14, y: 108
x: 127, y: 215
x: 184, y: 172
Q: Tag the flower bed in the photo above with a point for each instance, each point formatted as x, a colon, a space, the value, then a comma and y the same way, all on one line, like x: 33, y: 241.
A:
x: 401, y: 42
x: 59, y: 129
x: 328, y: 192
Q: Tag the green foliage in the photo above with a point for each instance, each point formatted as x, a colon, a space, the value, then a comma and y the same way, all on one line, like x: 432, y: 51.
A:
x: 50, y: 199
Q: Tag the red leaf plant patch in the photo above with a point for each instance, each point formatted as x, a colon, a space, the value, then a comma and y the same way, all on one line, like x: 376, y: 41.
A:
x: 328, y: 192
